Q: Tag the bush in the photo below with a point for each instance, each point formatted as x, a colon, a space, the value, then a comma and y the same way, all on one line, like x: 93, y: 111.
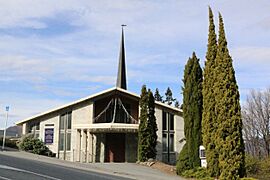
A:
x: 252, y: 165
x: 198, y: 173
x: 183, y: 163
x: 264, y: 171
x: 34, y: 145
x: 258, y: 168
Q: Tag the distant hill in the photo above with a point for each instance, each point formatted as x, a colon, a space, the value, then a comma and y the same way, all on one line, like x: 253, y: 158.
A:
x: 12, y: 131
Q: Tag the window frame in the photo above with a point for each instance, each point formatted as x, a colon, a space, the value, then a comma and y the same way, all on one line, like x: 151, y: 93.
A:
x: 168, y: 120
x: 34, y: 128
x: 65, y: 127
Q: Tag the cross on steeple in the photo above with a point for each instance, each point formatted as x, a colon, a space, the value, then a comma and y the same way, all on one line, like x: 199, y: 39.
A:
x: 121, y: 76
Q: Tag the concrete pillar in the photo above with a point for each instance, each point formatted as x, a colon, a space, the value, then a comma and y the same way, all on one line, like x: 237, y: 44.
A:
x: 24, y: 129
x: 88, y: 146
x: 94, y: 147
x: 83, y: 145
x: 102, y: 147
x: 78, y: 145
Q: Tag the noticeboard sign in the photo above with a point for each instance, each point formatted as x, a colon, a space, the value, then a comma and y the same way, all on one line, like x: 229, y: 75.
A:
x: 49, y: 135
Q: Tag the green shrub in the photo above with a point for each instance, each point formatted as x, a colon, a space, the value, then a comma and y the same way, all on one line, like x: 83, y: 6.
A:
x: 198, y: 173
x: 34, y: 145
x: 248, y: 178
x: 258, y: 168
x: 252, y: 165
x: 264, y: 171
x: 183, y: 163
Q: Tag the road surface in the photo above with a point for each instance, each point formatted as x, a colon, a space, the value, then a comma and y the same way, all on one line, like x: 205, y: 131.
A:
x: 13, y: 168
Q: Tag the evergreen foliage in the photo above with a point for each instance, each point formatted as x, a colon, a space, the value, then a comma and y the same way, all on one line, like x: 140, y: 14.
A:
x: 157, y: 96
x: 151, y: 126
x: 34, y: 145
x: 229, y: 142
x: 183, y: 161
x: 147, y: 128
x: 192, y: 112
x: 209, y: 117
x: 169, y: 97
x: 142, y: 133
x: 176, y: 104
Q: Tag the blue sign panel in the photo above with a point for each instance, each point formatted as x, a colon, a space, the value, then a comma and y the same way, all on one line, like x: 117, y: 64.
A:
x: 49, y: 135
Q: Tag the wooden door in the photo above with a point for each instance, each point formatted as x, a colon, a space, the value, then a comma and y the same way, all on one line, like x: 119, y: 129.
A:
x: 115, y: 147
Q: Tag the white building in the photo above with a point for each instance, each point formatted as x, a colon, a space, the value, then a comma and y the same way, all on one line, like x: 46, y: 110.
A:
x: 104, y: 127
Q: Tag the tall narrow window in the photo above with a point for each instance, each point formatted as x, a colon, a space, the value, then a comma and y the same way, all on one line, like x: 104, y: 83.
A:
x: 167, y: 133
x: 65, y: 132
x: 34, y: 129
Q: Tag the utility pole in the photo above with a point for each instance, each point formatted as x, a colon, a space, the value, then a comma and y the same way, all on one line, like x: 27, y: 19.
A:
x: 4, y: 138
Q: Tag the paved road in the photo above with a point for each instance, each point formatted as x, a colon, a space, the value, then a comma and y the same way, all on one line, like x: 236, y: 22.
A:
x: 12, y: 168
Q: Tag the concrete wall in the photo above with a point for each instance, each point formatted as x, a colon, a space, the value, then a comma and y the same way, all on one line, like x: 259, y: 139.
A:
x: 178, y: 135
x: 53, y: 122
x: 158, y: 115
x: 82, y: 115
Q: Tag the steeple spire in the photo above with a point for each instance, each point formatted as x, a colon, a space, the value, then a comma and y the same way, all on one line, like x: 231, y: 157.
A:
x: 121, y: 76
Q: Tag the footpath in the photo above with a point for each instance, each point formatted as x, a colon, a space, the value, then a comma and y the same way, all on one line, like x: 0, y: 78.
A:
x: 128, y: 170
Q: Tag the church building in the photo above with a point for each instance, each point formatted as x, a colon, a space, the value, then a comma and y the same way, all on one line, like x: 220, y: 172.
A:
x: 103, y: 127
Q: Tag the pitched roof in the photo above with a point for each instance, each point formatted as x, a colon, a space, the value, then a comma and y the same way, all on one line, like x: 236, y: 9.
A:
x: 89, y: 98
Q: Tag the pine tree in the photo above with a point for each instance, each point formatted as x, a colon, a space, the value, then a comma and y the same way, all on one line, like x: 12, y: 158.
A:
x: 229, y: 130
x: 192, y: 113
x: 169, y: 97
x: 157, y: 96
x: 142, y: 132
x: 209, y: 116
x: 151, y: 127
x: 176, y: 104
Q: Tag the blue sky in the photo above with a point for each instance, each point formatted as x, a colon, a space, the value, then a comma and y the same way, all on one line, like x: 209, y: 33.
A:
x: 54, y: 52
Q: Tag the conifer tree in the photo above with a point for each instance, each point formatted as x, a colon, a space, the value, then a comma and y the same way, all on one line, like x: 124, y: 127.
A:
x: 142, y: 132
x: 147, y: 134
x: 176, y: 104
x: 192, y: 113
x: 209, y: 117
x: 169, y: 97
x: 228, y: 113
x: 157, y: 96
x: 151, y: 127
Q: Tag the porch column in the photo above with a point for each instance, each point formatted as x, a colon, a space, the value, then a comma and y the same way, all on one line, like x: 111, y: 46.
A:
x: 78, y: 147
x: 88, y: 150
x: 83, y: 144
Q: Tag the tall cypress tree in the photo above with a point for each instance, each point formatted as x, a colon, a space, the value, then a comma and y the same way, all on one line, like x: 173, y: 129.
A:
x: 209, y: 117
x: 229, y: 130
x: 148, y: 127
x: 151, y: 127
x: 142, y: 132
x: 192, y: 112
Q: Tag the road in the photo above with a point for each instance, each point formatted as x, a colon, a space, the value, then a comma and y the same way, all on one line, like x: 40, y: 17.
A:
x: 13, y: 168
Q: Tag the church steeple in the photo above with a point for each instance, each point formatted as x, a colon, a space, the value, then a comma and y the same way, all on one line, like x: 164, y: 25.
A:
x: 121, y: 76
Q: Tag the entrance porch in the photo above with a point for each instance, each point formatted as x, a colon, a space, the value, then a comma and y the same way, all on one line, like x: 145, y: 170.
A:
x: 105, y: 146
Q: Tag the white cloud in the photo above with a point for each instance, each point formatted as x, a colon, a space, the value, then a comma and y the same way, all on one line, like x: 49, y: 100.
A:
x: 159, y: 38
x: 252, y: 55
x: 22, y: 106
